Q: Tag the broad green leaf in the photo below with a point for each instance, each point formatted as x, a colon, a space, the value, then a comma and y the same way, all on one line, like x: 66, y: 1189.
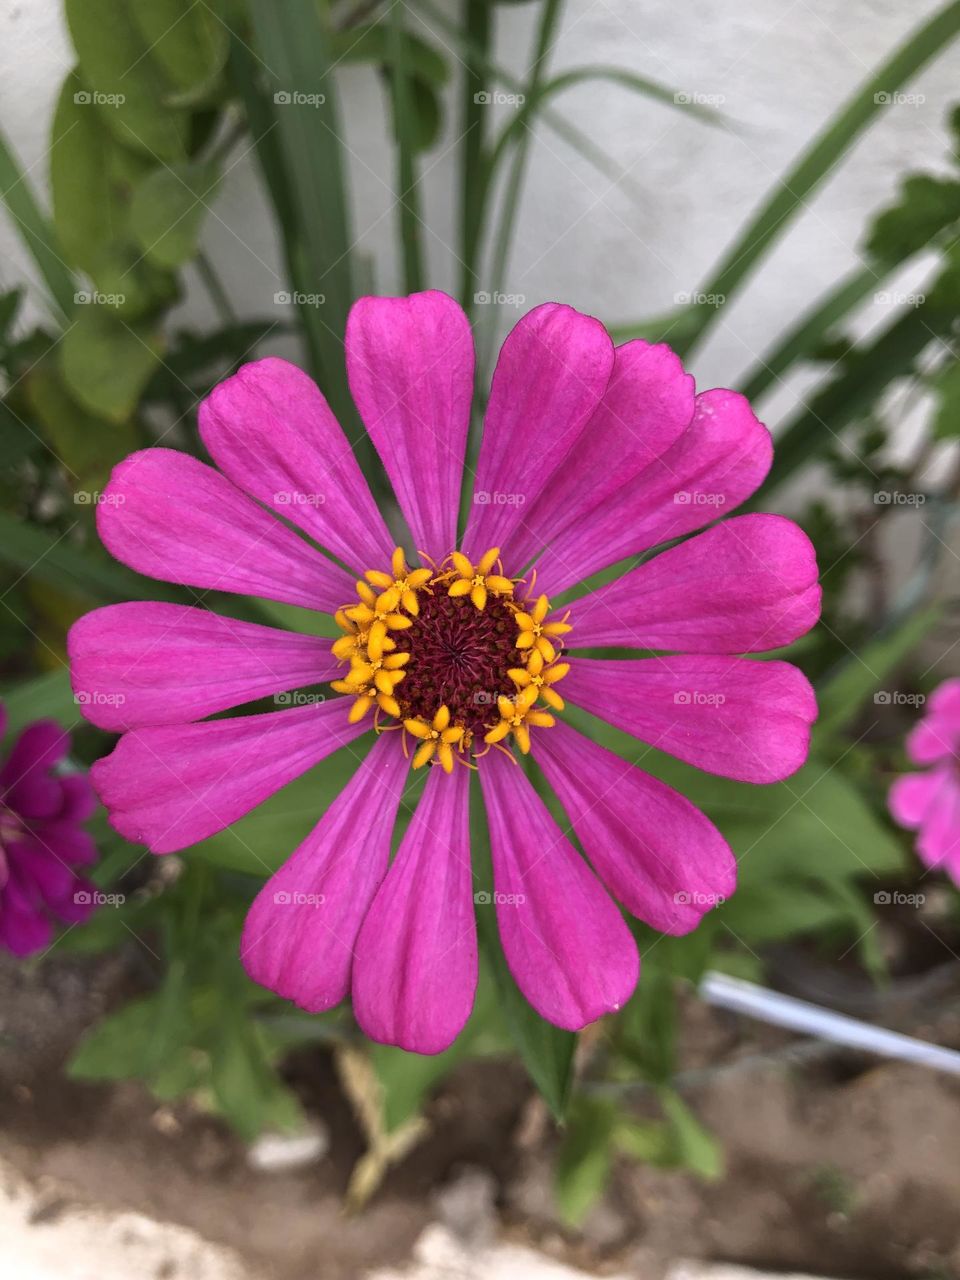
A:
x: 34, y: 229
x: 131, y: 1042
x: 246, y: 1088
x: 187, y: 39
x: 126, y: 83
x: 695, y: 1148
x: 583, y: 1162
x: 106, y: 363
x: 372, y: 43
x: 167, y: 211
x: 927, y: 206
x: 87, y: 446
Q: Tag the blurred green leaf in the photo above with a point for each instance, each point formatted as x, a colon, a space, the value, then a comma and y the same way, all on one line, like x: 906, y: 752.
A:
x: 34, y: 229
x: 129, y: 1043
x: 927, y: 206
x: 87, y: 445
x: 187, y: 39
x: 946, y: 422
x: 106, y: 363
x: 125, y: 82
x: 695, y: 1149
x: 583, y: 1164
x: 167, y: 211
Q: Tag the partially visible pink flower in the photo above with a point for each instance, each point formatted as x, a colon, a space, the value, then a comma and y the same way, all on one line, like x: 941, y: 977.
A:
x: 451, y: 654
x: 929, y: 802
x: 42, y: 842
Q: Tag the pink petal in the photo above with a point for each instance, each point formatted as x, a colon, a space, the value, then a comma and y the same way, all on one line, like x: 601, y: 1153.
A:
x: 937, y: 735
x: 271, y: 431
x: 718, y: 462
x: 648, y: 403
x: 743, y: 586
x: 415, y: 974
x: 739, y: 718
x: 912, y: 795
x: 134, y: 665
x: 550, y: 378
x: 26, y: 784
x: 170, y: 787
x: 410, y: 365
x: 938, y: 844
x: 300, y: 934
x: 568, y: 948
x: 654, y: 850
x: 171, y: 517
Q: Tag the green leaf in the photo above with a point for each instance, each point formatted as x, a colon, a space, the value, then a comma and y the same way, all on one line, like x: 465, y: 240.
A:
x: 167, y: 211
x: 87, y: 445
x: 49, y: 695
x: 246, y: 1088
x: 926, y: 207
x: 127, y: 85
x: 34, y: 229
x: 128, y: 1044
x: 106, y: 363
x: 584, y: 1159
x: 695, y: 1148
x: 946, y: 422
x: 842, y: 695
x: 187, y: 39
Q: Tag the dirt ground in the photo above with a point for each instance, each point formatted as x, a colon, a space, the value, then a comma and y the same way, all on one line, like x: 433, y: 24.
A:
x: 836, y: 1166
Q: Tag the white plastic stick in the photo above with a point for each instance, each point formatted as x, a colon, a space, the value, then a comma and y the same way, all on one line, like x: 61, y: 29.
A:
x: 810, y: 1019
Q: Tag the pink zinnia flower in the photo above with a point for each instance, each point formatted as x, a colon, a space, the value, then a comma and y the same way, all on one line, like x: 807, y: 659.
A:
x: 42, y: 842
x: 929, y: 802
x: 590, y: 453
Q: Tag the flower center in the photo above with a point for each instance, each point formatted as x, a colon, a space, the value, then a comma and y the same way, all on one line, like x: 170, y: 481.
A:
x: 453, y: 655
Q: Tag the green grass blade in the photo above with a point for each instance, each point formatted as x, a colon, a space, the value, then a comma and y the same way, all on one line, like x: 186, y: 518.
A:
x: 473, y: 121
x: 791, y: 192
x: 35, y: 230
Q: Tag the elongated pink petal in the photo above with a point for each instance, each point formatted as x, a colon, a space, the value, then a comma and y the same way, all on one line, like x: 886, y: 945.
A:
x: 271, y: 431
x: 938, y: 844
x: 647, y: 404
x: 171, y: 517
x: 300, y: 934
x: 549, y: 381
x: 568, y: 948
x: 717, y: 463
x: 937, y: 735
x: 742, y: 719
x: 654, y: 850
x: 134, y: 665
x: 26, y: 784
x: 743, y: 586
x: 169, y: 787
x: 415, y: 974
x: 410, y: 365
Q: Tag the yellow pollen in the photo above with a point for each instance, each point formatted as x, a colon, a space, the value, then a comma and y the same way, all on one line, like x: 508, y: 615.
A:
x: 387, y: 603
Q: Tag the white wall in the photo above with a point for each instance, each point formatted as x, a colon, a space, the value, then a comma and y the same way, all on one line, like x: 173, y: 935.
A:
x: 782, y: 69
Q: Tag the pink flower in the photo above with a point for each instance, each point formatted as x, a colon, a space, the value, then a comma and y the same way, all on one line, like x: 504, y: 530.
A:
x: 41, y: 839
x: 590, y: 454
x: 929, y: 802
